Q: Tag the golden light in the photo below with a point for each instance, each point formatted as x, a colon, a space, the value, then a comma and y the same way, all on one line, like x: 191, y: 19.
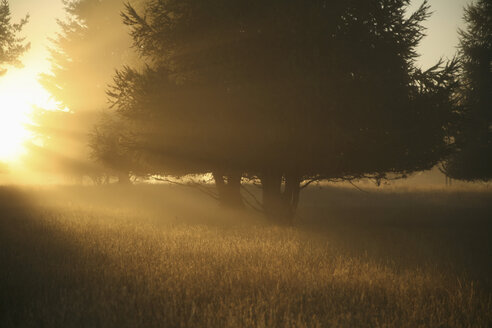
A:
x: 19, y: 92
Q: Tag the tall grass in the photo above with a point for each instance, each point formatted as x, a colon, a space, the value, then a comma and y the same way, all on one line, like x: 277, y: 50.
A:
x: 154, y: 256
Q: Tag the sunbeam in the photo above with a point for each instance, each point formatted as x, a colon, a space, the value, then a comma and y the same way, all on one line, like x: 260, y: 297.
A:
x: 18, y: 94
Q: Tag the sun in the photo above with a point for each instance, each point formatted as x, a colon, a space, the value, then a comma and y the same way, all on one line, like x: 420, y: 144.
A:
x: 18, y: 94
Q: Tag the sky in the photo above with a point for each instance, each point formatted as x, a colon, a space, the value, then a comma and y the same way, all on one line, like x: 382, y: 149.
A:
x: 442, y: 27
x: 19, y: 89
x: 42, y: 25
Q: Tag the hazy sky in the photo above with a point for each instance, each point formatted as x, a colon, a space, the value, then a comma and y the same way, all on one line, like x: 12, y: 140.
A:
x: 442, y: 27
x: 42, y: 24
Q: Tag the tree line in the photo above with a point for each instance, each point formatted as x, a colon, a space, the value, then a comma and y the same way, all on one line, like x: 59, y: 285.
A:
x: 281, y: 93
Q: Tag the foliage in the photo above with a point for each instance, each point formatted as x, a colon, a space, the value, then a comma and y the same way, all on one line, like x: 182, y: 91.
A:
x: 473, y: 132
x: 11, y: 45
x: 84, y: 54
x: 285, y: 91
x: 109, y: 144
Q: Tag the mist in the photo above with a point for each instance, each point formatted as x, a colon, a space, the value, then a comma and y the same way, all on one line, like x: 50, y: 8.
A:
x: 245, y: 164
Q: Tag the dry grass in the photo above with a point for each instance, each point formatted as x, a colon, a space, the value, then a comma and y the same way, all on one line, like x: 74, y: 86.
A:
x: 153, y: 257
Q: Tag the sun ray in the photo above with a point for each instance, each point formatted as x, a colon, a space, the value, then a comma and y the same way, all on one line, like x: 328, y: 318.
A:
x: 19, y: 92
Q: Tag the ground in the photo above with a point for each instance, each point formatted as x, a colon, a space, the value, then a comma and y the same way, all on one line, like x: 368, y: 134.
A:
x: 160, y: 256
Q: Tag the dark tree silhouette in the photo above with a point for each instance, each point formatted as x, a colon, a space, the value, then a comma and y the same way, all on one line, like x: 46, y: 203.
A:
x: 84, y: 55
x: 11, y: 45
x: 287, y: 92
x: 472, y: 160
x: 110, y: 147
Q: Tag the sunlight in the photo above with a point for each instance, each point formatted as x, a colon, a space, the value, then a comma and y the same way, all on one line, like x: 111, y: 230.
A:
x: 19, y: 92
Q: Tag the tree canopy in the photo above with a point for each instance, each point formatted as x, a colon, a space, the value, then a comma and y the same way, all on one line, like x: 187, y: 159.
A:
x: 283, y: 91
x: 11, y: 45
x: 472, y: 160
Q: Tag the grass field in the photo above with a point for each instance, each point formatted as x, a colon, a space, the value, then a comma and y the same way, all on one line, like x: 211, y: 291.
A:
x: 157, y: 256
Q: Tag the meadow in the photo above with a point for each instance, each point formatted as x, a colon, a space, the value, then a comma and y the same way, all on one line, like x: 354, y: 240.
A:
x: 162, y: 256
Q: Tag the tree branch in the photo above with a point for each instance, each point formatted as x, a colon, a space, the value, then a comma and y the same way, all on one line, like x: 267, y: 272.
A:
x: 190, y: 185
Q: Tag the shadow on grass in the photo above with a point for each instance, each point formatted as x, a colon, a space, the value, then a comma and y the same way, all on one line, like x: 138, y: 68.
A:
x: 55, y: 273
x: 40, y: 267
x: 408, y: 230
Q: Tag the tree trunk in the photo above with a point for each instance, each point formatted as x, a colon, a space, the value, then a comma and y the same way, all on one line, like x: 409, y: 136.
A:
x: 229, y: 189
x: 280, y: 205
x: 291, y: 194
x: 272, y: 195
x: 123, y: 178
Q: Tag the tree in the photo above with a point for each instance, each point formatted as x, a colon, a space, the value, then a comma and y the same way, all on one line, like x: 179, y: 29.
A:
x: 287, y: 92
x: 108, y: 139
x: 86, y: 52
x: 84, y: 55
x: 11, y: 45
x: 472, y: 160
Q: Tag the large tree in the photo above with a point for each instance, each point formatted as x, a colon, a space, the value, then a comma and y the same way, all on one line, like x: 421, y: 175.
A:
x: 11, y: 45
x: 285, y: 92
x: 472, y: 160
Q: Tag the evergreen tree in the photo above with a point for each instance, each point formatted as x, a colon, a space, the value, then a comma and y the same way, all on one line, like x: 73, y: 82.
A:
x: 11, y: 45
x: 84, y: 55
x: 109, y: 143
x: 472, y: 160
x: 284, y: 91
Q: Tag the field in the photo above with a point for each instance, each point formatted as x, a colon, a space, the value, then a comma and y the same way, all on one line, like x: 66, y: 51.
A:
x: 160, y: 256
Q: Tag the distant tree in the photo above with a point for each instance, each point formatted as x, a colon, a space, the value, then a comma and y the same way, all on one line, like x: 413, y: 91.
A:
x: 11, y: 45
x: 287, y: 92
x: 84, y: 55
x: 472, y: 160
x: 91, y: 45
x: 110, y: 147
